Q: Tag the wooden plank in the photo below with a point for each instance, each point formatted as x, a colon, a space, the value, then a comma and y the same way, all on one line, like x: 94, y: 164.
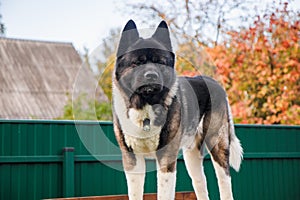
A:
x: 178, y: 196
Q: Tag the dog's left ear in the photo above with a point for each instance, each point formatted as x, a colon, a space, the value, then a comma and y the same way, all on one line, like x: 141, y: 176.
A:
x: 129, y: 36
x: 162, y: 35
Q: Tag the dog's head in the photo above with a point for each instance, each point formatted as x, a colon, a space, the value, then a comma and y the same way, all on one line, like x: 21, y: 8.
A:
x: 145, y: 67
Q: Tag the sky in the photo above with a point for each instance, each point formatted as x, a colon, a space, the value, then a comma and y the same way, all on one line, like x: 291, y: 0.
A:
x: 82, y: 22
x: 85, y: 23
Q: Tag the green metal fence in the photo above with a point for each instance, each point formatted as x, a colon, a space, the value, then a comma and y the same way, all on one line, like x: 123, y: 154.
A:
x: 48, y: 159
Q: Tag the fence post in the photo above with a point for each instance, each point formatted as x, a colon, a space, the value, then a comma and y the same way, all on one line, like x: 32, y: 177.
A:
x: 68, y: 171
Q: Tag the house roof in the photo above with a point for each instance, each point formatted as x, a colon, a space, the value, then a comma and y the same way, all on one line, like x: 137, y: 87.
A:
x: 35, y: 77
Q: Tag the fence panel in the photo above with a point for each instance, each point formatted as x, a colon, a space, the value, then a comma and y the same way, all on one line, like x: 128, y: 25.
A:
x: 37, y: 161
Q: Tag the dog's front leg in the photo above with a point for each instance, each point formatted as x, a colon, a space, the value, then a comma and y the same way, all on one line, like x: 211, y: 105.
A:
x: 166, y: 178
x: 166, y: 182
x: 135, y: 176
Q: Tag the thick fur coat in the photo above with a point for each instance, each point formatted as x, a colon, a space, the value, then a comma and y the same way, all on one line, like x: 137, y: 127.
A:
x: 156, y: 113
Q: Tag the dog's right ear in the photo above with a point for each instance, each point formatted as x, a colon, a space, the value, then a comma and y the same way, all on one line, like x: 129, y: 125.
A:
x: 163, y: 36
x: 128, y: 37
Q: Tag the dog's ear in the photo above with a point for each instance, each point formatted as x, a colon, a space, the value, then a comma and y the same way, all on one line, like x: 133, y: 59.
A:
x: 128, y: 37
x: 162, y: 35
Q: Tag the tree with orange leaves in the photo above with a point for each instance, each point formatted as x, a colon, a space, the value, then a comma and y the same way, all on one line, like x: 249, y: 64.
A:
x: 260, y: 69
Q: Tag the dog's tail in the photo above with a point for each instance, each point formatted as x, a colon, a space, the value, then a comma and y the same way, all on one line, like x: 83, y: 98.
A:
x: 236, y: 150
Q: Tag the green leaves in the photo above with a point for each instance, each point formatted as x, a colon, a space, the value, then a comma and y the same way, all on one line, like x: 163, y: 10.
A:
x: 86, y: 108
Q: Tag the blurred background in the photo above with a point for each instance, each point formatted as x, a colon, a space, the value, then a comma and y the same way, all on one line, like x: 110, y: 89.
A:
x: 251, y: 47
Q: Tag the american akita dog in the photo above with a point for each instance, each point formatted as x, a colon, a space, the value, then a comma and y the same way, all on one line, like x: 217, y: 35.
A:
x: 156, y: 113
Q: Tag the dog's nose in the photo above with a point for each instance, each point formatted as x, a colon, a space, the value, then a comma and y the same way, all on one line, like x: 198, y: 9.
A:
x: 151, y: 75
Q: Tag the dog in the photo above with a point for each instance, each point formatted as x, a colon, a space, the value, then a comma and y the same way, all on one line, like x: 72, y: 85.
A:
x: 156, y: 113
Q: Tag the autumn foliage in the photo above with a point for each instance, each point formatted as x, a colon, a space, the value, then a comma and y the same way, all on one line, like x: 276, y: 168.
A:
x: 260, y: 69
x: 192, y: 60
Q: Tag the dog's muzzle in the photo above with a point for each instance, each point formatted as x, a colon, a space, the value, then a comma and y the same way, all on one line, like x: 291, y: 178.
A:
x: 149, y: 89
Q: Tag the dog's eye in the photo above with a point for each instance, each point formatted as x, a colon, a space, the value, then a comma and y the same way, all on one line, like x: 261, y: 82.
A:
x: 159, y: 60
x: 138, y: 61
x: 162, y: 61
x: 142, y: 59
x: 134, y: 63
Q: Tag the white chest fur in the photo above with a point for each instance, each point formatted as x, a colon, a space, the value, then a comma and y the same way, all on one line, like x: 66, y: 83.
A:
x: 131, y: 122
x: 142, y: 145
